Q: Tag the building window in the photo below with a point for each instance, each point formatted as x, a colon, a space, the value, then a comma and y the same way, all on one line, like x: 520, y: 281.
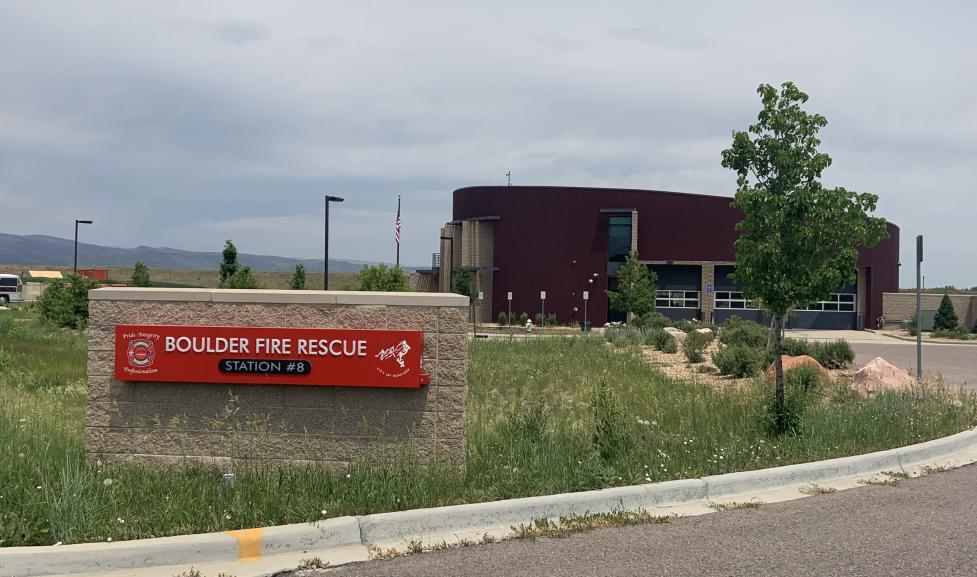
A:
x: 677, y: 299
x: 619, y: 238
x: 837, y: 302
x: 733, y: 300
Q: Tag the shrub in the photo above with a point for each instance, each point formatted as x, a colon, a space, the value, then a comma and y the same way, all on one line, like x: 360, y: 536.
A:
x: 523, y: 318
x: 381, y: 278
x: 652, y: 320
x: 833, y: 354
x: 657, y: 337
x: 551, y: 319
x: 736, y: 331
x: 946, y: 316
x: 528, y: 420
x: 611, y: 432
x: 624, y: 336
x: 686, y: 326
x: 787, y: 421
x: 242, y: 279
x: 503, y: 319
x: 65, y: 301
x: 694, y: 345
x: 804, y: 378
x: 957, y: 333
x: 739, y: 360
x: 670, y: 346
x: 796, y: 347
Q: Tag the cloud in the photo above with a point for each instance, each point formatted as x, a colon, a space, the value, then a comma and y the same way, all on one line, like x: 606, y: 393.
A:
x: 182, y: 123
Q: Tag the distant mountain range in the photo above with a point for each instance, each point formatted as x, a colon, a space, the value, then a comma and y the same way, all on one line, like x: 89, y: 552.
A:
x: 53, y: 251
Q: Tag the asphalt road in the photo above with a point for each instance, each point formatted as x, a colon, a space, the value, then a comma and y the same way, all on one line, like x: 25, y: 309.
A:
x: 925, y: 527
x: 956, y: 363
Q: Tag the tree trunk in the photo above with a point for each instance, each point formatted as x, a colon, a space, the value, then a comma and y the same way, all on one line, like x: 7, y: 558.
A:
x: 778, y: 363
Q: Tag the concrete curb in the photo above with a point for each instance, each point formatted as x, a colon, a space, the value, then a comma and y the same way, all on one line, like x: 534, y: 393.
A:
x: 421, y: 523
x: 476, y: 518
x: 184, y: 549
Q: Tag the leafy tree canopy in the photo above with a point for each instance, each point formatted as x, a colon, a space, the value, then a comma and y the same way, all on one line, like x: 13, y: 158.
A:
x: 636, y: 287
x: 230, y: 265
x: 463, y: 282
x: 140, y: 275
x: 798, y: 240
x: 298, y: 278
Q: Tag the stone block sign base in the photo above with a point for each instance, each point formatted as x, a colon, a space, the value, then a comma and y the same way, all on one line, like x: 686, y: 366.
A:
x: 222, y: 424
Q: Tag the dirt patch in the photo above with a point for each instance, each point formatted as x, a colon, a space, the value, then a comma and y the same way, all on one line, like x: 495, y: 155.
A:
x: 675, y: 366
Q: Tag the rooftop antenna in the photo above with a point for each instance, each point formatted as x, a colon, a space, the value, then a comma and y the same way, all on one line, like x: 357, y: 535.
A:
x: 508, y: 178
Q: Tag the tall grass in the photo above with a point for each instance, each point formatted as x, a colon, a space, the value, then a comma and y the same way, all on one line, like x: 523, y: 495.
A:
x: 531, y: 431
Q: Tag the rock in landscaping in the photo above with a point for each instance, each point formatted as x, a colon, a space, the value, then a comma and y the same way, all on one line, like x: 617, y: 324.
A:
x: 677, y: 334
x: 880, y: 375
x: 706, y: 331
x: 790, y: 362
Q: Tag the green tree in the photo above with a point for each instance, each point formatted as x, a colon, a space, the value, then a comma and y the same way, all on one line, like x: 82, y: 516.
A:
x: 946, y: 317
x: 798, y: 240
x: 65, y: 301
x: 140, y: 275
x: 463, y: 282
x: 635, y: 293
x: 382, y: 278
x: 230, y: 265
x: 298, y: 279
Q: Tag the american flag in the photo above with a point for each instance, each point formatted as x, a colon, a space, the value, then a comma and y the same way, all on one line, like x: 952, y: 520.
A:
x: 397, y: 225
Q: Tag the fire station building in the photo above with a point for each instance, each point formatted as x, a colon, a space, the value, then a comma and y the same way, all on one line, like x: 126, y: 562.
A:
x: 525, y: 240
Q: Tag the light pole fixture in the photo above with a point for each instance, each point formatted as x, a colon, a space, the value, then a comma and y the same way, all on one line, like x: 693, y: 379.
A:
x: 325, y: 257
x: 451, y: 257
x: 77, y: 222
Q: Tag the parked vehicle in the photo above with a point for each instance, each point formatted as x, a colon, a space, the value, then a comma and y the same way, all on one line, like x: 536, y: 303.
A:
x: 11, y: 289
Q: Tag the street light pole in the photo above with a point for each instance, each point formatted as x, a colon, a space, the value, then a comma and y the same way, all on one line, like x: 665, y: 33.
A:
x: 325, y: 258
x: 77, y: 222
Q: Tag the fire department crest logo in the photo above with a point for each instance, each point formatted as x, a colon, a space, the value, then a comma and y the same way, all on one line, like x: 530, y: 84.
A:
x: 141, y: 353
x: 397, y: 354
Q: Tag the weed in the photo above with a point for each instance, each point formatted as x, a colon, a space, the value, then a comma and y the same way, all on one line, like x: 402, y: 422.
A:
x: 815, y: 489
x: 312, y: 563
x: 928, y: 470
x: 880, y: 482
x: 733, y: 505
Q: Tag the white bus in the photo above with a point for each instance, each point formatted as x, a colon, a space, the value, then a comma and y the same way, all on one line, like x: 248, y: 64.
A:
x: 11, y: 289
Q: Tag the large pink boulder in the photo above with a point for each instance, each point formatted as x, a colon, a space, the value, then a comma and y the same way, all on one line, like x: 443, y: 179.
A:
x: 878, y: 376
x: 790, y: 362
x: 677, y: 334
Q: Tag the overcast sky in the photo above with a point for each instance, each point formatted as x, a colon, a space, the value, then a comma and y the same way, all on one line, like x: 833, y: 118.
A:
x: 182, y: 124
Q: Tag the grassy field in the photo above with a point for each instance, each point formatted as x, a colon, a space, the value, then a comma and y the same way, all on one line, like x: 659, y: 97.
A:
x: 209, y: 278
x: 545, y: 416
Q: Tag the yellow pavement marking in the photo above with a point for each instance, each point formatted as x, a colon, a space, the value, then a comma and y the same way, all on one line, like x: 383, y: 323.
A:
x: 248, y: 543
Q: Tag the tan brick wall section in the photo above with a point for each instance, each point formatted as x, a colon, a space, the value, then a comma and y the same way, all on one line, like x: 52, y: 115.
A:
x: 902, y: 306
x: 215, y: 423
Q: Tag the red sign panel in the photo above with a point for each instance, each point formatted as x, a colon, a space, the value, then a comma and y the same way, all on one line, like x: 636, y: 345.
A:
x: 318, y: 357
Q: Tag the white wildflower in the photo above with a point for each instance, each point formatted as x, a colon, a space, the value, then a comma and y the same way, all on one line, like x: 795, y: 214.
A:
x: 107, y: 482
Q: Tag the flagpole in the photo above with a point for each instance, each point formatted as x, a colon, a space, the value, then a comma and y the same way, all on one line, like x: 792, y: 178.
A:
x: 398, y: 230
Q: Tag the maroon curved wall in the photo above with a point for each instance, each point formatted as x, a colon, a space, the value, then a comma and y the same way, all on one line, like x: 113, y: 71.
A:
x: 555, y: 238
